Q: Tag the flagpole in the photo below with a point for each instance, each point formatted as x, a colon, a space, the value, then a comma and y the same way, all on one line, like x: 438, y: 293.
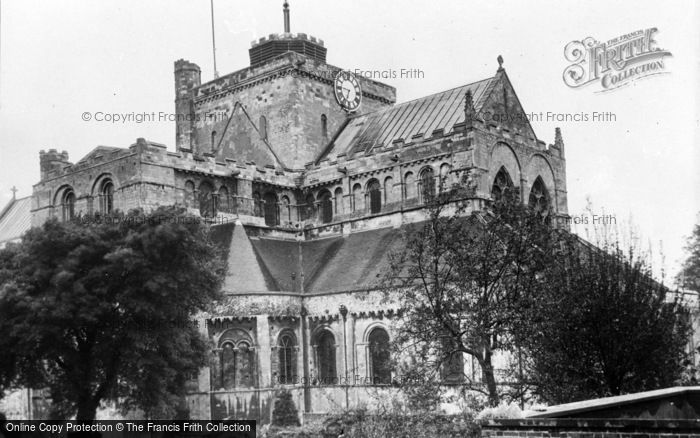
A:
x: 213, y: 38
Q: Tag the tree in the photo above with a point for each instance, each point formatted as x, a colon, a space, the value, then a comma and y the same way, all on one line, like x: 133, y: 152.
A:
x: 101, y: 309
x: 688, y: 280
x: 601, y: 325
x: 689, y: 277
x: 461, y: 279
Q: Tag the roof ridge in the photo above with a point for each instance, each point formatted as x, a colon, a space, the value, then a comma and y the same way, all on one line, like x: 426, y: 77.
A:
x: 445, y: 91
x: 7, y: 207
x: 389, y: 108
x: 408, y: 120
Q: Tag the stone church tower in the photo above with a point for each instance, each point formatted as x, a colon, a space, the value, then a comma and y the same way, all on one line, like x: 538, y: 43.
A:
x: 307, y: 174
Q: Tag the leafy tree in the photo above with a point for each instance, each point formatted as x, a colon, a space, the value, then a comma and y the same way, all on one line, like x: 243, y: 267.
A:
x: 601, y: 325
x: 462, y: 278
x: 689, y: 277
x: 100, y: 309
x: 689, y: 280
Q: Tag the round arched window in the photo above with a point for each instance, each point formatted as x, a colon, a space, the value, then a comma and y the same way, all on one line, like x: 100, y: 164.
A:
x: 375, y: 196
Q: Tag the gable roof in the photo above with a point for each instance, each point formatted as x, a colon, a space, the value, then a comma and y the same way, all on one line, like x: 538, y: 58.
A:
x: 98, y: 151
x: 404, y: 121
x: 264, y: 155
x: 15, y: 219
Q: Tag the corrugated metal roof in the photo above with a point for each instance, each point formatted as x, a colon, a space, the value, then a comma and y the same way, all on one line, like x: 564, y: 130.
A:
x: 409, y: 119
x: 15, y: 219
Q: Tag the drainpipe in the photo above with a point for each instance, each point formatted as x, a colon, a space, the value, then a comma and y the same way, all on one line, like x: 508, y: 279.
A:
x: 305, y: 355
x: 344, y: 313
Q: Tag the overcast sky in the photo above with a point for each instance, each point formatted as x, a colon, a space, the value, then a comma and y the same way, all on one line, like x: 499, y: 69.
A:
x: 62, y: 58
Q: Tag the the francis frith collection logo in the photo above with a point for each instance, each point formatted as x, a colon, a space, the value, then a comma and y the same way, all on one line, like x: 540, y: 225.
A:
x: 616, y: 62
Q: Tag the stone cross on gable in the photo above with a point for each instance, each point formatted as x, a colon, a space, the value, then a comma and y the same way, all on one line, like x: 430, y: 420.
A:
x: 14, y: 192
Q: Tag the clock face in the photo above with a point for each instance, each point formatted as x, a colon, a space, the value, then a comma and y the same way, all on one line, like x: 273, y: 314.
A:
x: 347, y: 91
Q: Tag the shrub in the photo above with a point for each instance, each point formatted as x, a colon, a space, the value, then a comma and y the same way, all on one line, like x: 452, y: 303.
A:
x: 285, y: 412
x: 360, y: 424
x: 504, y: 410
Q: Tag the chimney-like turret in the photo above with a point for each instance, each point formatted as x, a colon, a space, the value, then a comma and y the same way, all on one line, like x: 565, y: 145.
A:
x: 52, y: 160
x: 559, y: 142
x: 188, y: 77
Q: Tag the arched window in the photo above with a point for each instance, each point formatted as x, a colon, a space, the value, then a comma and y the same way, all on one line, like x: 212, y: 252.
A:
x: 244, y: 366
x: 68, y: 204
x: 106, y: 197
x: 380, y: 357
x: 189, y: 194
x: 237, y: 365
x: 308, y: 210
x: 388, y: 190
x: 410, y: 185
x: 324, y: 125
x: 213, y: 141
x: 271, y: 213
x: 374, y: 194
x: 325, y: 358
x: 326, y: 206
x: 539, y: 197
x: 287, y: 355
x: 263, y: 127
x: 228, y: 365
x: 427, y: 183
x: 339, y: 207
x: 257, y: 208
x: 357, y: 199
x: 224, y: 200
x: 445, y: 176
x: 501, y: 184
x: 207, y: 200
x: 286, y: 213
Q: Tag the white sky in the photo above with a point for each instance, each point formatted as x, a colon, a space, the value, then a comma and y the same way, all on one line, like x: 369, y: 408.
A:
x: 59, y: 59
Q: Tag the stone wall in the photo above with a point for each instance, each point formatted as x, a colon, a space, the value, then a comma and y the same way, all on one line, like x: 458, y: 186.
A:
x: 272, y: 114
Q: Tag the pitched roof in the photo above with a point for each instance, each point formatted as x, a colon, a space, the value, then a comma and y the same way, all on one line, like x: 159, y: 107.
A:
x: 354, y: 262
x: 98, y: 151
x: 15, y: 219
x: 623, y: 405
x: 404, y: 121
x: 333, y: 264
x: 245, y: 273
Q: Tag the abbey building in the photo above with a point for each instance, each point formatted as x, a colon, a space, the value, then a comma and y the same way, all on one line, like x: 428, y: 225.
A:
x: 307, y: 173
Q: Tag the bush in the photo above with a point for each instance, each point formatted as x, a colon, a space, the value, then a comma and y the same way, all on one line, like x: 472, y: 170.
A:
x: 359, y: 424
x: 285, y: 412
x: 504, y: 410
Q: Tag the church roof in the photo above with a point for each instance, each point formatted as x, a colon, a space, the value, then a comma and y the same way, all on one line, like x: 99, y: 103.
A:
x: 15, y: 219
x: 334, y: 264
x: 419, y: 117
